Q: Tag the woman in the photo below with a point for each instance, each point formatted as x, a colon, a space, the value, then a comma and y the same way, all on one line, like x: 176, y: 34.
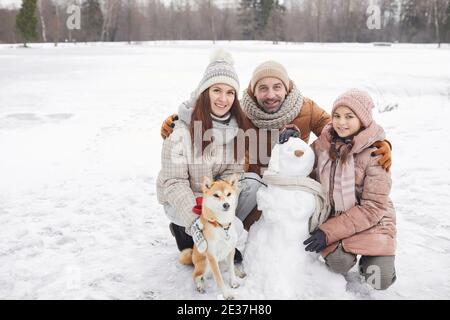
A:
x: 204, y: 143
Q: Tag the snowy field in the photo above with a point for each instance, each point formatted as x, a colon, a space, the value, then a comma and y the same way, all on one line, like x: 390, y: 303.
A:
x: 80, y: 153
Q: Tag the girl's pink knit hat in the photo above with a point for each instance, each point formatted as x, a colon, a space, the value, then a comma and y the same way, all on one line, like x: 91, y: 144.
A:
x: 359, y: 102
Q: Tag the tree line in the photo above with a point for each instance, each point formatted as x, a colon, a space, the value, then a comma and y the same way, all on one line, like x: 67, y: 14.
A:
x: 294, y: 21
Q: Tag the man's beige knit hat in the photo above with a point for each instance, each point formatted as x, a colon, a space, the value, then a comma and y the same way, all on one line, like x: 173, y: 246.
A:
x: 270, y: 69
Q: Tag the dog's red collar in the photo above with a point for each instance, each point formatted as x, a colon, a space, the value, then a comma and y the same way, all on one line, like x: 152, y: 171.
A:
x: 197, y: 209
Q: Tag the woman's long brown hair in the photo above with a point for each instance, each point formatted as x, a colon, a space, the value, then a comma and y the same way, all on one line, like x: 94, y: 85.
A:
x: 202, y: 112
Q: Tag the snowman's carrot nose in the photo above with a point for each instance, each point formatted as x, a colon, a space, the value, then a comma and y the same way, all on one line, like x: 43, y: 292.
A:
x: 298, y: 153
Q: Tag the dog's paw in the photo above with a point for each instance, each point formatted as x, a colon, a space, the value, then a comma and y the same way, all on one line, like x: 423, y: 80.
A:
x: 201, y: 289
x: 199, y: 284
x: 228, y: 295
x: 240, y: 273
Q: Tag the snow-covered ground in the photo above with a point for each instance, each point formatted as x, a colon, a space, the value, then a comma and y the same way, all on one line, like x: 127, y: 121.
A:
x: 80, y: 152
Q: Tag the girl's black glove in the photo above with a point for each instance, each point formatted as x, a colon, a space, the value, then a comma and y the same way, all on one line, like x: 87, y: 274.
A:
x: 316, y: 242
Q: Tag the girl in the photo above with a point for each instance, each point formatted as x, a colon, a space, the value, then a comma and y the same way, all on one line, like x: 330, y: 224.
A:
x: 203, y: 143
x: 362, y: 221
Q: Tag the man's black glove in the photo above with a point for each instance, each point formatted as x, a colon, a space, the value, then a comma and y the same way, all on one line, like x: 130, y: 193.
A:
x: 317, y: 242
x: 286, y: 134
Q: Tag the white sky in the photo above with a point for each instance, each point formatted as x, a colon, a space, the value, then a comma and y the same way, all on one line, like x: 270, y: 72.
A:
x: 7, y: 3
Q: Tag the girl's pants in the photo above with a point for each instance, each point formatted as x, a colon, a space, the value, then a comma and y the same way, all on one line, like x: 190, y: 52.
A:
x: 378, y: 271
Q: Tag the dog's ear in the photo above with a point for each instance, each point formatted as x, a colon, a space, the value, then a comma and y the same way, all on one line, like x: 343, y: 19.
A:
x: 207, y: 183
x: 233, y: 180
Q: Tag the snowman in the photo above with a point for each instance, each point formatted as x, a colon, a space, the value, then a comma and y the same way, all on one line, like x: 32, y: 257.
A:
x: 293, y: 206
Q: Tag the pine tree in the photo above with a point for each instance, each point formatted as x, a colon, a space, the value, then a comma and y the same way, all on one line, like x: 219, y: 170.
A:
x: 414, y: 18
x: 254, y: 16
x: 92, y: 20
x: 263, y: 12
x: 26, y: 21
x: 247, y: 19
x: 275, y: 25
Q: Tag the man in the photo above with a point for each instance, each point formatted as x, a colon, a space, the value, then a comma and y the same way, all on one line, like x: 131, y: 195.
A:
x: 273, y: 102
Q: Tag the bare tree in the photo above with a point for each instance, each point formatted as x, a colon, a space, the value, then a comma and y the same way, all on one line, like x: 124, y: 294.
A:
x: 227, y: 24
x: 42, y: 21
x: 436, y: 23
x: 7, y: 27
x: 318, y: 12
x: 130, y: 7
x: 441, y: 11
x: 110, y: 21
x: 57, y: 24
x: 211, y: 10
x: 157, y: 18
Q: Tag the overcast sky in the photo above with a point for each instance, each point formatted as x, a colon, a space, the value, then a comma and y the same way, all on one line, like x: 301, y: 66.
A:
x: 5, y: 3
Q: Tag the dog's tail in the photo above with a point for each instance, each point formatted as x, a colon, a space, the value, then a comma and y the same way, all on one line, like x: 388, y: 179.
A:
x: 186, y: 256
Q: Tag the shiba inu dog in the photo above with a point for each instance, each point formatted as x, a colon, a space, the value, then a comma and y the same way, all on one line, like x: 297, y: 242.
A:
x: 217, y: 215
